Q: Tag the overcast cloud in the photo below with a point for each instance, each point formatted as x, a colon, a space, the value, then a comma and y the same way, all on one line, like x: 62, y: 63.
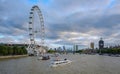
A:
x: 67, y: 22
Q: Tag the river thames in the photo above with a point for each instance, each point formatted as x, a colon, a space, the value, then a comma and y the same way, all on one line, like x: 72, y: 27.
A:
x: 81, y: 64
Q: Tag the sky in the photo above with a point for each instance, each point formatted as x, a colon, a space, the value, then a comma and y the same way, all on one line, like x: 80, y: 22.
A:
x: 67, y: 22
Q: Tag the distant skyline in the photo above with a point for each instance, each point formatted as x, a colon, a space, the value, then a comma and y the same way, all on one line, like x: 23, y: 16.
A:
x: 67, y: 22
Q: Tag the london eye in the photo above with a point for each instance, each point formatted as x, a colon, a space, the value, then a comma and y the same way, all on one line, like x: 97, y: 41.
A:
x: 36, y: 30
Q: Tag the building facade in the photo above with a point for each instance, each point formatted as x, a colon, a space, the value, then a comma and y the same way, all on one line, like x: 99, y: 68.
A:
x: 75, y: 47
x: 101, y: 44
x: 92, y: 45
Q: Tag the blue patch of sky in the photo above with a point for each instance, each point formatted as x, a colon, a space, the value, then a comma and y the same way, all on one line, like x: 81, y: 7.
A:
x: 45, y: 1
x: 33, y: 1
x: 109, y: 6
x: 37, y: 1
x: 112, y: 2
x: 1, y: 36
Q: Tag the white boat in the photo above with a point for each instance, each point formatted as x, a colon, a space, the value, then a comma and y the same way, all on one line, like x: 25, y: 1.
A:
x: 56, y: 63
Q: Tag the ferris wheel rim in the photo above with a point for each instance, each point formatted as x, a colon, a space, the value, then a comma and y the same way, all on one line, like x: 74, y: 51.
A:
x: 31, y: 24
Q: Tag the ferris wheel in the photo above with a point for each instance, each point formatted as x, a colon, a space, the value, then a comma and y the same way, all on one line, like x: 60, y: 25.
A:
x: 36, y: 30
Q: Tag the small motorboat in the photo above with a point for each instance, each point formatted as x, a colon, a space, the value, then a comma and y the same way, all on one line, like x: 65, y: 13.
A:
x: 56, y: 63
x: 43, y: 58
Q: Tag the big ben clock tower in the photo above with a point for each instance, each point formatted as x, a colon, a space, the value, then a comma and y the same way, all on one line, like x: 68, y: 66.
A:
x: 101, y: 44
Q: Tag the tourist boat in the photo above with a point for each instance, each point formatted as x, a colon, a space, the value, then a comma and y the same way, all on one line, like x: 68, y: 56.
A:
x: 56, y: 63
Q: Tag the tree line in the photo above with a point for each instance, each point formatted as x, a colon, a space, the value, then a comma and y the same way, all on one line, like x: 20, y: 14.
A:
x: 110, y: 51
x: 102, y: 51
x: 12, y: 50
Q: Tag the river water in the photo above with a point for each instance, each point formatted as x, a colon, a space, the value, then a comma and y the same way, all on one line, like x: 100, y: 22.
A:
x: 81, y: 64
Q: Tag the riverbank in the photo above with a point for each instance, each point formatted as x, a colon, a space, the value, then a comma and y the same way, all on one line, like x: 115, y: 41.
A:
x: 12, y: 56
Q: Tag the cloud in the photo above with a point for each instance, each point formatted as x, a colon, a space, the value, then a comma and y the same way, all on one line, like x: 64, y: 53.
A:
x: 67, y: 22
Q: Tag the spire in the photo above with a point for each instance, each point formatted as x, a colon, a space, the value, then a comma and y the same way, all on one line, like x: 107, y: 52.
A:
x: 101, y: 38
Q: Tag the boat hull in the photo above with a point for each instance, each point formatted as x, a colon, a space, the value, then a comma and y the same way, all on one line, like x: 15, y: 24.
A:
x: 60, y: 63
